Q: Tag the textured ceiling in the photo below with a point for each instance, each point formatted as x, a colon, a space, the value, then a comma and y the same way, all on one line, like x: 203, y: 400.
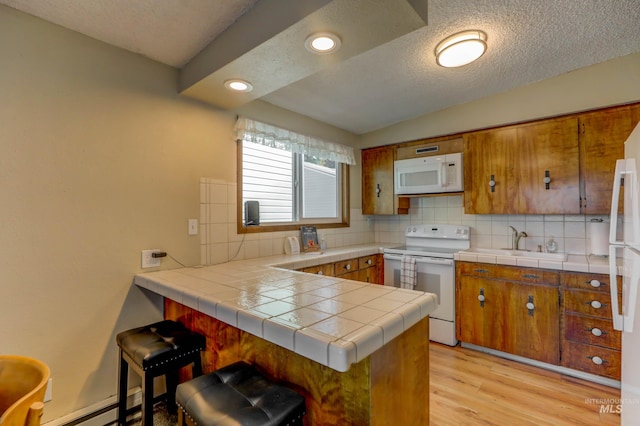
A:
x: 384, y: 81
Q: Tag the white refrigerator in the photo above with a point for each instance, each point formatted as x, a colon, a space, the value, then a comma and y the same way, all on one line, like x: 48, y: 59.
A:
x: 625, y: 245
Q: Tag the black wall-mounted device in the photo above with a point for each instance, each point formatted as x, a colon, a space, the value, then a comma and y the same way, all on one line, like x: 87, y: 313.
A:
x: 251, y: 213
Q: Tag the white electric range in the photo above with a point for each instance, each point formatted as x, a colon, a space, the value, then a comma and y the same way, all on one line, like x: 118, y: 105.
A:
x: 432, y: 246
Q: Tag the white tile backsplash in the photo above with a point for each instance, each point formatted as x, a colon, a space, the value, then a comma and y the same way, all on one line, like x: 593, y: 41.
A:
x: 489, y: 231
x: 220, y: 241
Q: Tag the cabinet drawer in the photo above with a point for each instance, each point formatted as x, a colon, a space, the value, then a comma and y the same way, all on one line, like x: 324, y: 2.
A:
x: 593, y: 303
x: 476, y: 269
x: 531, y: 275
x: 593, y: 331
x: 593, y: 282
x: 591, y: 359
x: 366, y: 261
x: 510, y: 273
x: 346, y: 266
x: 326, y: 269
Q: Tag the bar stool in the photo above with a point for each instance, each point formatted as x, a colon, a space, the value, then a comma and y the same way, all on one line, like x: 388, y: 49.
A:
x: 154, y: 350
x: 237, y: 395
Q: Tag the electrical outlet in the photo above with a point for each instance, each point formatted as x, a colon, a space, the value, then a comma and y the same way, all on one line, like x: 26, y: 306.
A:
x: 48, y: 393
x: 149, y: 261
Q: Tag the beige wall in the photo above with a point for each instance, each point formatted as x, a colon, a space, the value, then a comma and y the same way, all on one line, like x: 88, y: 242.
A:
x: 99, y: 159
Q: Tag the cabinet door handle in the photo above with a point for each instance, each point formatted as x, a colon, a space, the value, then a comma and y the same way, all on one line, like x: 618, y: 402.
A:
x: 368, y: 261
x: 378, y: 190
x: 347, y: 267
x: 596, y: 283
x: 595, y: 304
x: 597, y: 332
x: 481, y: 297
x: 596, y: 360
x: 481, y: 271
x: 530, y: 305
x: 492, y: 183
x: 547, y: 179
x: 319, y: 273
x: 530, y: 276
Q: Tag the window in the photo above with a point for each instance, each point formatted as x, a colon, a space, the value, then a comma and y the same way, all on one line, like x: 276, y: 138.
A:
x: 291, y: 185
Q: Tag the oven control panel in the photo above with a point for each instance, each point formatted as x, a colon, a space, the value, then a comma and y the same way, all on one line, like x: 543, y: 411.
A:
x: 458, y: 232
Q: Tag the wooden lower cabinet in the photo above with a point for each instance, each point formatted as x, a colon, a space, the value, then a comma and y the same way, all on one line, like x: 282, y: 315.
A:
x: 326, y: 269
x: 536, y: 313
x: 558, y: 317
x: 346, y: 269
x: 589, y: 342
x: 592, y: 359
x: 482, y: 310
x: 509, y: 309
x: 367, y: 269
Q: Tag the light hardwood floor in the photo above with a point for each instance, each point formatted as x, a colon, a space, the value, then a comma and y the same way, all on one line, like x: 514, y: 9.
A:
x: 473, y: 388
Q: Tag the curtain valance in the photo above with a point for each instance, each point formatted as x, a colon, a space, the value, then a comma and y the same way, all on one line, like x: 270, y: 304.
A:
x: 275, y: 137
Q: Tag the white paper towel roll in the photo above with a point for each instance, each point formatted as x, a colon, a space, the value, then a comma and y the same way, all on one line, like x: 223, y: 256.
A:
x: 599, y: 238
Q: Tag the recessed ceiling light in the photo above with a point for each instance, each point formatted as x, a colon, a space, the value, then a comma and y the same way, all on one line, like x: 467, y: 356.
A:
x: 322, y: 43
x: 238, y: 85
x: 461, y: 48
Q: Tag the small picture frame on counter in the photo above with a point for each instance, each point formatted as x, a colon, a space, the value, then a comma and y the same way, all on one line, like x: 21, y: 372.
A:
x: 309, y: 238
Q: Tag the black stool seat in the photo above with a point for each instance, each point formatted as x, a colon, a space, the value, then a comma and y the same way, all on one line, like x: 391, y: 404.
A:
x: 238, y: 395
x: 154, y: 350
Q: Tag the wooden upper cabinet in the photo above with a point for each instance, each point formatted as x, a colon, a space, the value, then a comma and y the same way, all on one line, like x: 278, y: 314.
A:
x: 548, y: 150
x: 377, y: 180
x: 602, y: 137
x: 377, y: 183
x: 489, y: 159
x: 505, y: 169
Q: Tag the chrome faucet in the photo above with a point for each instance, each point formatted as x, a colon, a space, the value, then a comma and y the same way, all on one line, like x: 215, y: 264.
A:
x: 515, y: 237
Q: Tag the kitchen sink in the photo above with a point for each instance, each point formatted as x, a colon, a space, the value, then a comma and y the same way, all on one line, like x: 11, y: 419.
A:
x: 523, y: 253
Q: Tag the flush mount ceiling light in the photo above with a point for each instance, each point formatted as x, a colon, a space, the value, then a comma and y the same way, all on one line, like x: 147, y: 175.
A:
x: 461, y: 48
x: 238, y: 85
x: 322, y: 43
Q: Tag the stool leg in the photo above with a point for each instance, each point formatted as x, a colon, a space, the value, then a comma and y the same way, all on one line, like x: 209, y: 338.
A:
x: 181, y: 421
x: 147, y: 400
x: 196, y: 370
x: 123, y: 375
x: 172, y: 384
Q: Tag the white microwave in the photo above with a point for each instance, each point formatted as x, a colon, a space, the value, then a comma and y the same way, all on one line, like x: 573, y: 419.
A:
x: 428, y: 175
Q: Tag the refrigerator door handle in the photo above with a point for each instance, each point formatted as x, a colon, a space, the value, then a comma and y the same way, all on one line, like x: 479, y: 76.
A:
x: 613, y: 288
x: 615, y: 201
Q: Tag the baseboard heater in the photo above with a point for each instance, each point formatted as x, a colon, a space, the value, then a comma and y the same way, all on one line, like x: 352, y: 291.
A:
x: 101, y: 413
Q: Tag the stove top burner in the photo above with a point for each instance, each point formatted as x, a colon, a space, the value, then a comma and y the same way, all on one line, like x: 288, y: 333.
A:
x: 433, y: 240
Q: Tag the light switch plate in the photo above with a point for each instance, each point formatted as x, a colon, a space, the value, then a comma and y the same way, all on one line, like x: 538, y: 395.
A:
x: 193, y: 226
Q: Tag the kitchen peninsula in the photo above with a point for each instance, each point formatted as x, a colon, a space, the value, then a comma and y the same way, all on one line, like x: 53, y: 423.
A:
x: 358, y: 352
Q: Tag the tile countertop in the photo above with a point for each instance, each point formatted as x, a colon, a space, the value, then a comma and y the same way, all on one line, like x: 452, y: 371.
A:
x: 330, y: 320
x: 577, y: 263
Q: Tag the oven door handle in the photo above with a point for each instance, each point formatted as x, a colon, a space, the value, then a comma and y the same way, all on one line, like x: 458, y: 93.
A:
x: 434, y: 261
x: 393, y: 256
x: 422, y: 259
